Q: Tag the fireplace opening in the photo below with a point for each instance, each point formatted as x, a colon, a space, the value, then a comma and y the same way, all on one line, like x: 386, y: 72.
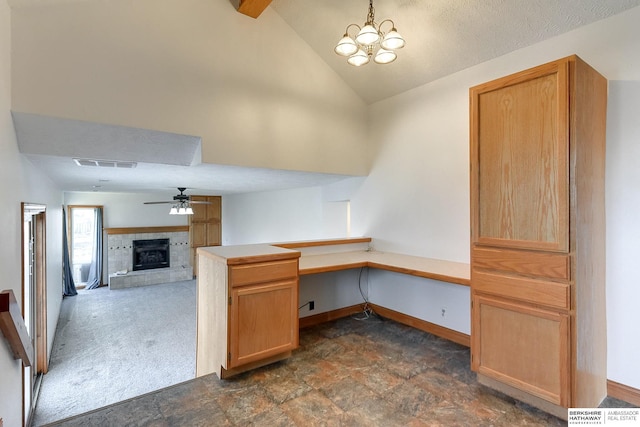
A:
x: 152, y: 253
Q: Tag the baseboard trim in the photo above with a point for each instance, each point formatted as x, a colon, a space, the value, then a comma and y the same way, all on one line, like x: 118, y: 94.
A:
x: 423, y: 325
x: 623, y: 392
x: 327, y: 316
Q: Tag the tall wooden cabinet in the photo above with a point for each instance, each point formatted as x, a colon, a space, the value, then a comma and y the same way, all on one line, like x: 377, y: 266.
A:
x: 205, y: 225
x: 538, y: 235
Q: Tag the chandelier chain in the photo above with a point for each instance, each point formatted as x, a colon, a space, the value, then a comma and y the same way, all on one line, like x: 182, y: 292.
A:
x: 371, y: 15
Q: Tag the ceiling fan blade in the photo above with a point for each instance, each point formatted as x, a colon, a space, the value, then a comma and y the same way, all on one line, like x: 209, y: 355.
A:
x: 180, y: 199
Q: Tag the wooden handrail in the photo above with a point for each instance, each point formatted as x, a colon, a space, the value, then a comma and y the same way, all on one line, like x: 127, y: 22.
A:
x: 14, y: 329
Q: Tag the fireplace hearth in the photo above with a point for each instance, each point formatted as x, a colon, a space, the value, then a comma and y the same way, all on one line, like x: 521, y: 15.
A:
x: 150, y: 254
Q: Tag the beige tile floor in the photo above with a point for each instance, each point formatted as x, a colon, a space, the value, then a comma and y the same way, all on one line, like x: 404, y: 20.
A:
x: 345, y: 373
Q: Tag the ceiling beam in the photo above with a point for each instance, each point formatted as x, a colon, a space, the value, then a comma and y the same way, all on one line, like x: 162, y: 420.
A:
x: 252, y: 8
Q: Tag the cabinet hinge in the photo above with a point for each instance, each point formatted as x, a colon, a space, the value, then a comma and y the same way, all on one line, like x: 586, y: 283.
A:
x: 230, y: 299
x: 229, y: 357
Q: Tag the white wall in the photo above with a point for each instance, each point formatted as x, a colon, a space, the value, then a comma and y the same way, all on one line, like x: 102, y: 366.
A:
x: 285, y: 215
x: 128, y: 209
x: 333, y: 290
x: 623, y: 231
x: 21, y: 182
x: 191, y: 67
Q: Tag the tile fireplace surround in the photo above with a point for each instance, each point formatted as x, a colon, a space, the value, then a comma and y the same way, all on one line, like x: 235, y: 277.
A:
x: 120, y: 257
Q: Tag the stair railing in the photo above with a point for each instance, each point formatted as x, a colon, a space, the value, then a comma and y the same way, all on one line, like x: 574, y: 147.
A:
x: 14, y: 329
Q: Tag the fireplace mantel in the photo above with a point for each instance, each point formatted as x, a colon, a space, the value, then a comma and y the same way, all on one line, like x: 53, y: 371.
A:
x: 140, y: 230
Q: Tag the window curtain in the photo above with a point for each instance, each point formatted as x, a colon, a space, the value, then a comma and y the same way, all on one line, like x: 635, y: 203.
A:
x: 67, y: 276
x: 94, y: 279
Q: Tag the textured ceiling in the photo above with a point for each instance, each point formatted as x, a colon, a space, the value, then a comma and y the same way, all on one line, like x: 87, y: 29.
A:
x: 443, y: 36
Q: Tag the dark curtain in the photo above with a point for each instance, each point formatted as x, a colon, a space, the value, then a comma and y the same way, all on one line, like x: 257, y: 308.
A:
x: 67, y: 275
x: 95, y: 270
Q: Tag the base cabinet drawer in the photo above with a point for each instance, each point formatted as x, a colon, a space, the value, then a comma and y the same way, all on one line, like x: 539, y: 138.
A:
x: 522, y: 346
x: 260, y: 272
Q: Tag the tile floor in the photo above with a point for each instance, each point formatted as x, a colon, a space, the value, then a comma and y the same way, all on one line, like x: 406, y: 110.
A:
x: 345, y: 373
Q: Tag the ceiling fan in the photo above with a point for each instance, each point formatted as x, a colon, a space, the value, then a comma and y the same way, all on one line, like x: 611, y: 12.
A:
x: 181, y: 203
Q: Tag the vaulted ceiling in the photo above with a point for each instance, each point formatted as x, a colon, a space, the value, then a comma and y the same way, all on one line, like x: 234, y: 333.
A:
x: 443, y: 37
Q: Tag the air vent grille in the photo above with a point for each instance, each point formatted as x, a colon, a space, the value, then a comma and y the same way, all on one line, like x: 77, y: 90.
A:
x: 105, y: 163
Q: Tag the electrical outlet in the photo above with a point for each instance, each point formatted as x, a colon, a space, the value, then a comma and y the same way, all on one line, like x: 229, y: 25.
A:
x: 312, y: 305
x: 444, y: 311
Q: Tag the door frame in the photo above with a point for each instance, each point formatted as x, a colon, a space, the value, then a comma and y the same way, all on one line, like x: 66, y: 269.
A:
x: 35, y: 214
x: 69, y: 232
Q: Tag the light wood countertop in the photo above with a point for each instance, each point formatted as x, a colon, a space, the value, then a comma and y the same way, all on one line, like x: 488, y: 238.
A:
x: 446, y: 271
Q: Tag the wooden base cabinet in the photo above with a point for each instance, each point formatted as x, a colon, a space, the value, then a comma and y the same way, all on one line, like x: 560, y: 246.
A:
x: 247, y: 307
x: 537, y: 150
x: 524, y: 347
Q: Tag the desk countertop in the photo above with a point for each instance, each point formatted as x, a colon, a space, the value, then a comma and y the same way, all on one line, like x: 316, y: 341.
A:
x: 241, y: 254
x: 446, y: 271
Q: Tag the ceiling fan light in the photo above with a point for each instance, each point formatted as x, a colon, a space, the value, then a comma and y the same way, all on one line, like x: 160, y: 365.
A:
x: 173, y: 211
x: 188, y: 211
x: 359, y: 58
x: 384, y: 56
x: 368, y: 35
x: 392, y: 40
x: 346, y: 46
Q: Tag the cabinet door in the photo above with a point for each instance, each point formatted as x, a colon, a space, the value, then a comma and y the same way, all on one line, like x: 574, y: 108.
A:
x: 205, y: 225
x: 198, y: 234
x: 520, y: 171
x: 214, y: 220
x: 263, y: 321
x: 521, y: 346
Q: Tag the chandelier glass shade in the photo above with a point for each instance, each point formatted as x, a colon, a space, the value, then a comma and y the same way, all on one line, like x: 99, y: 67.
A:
x: 181, y: 208
x: 370, y: 41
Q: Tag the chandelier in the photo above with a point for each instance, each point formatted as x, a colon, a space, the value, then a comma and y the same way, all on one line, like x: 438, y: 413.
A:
x: 370, y: 41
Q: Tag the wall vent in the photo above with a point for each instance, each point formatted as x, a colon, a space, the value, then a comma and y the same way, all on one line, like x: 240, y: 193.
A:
x: 105, y: 163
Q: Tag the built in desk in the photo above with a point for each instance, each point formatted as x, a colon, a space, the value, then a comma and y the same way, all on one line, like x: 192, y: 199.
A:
x: 445, y: 271
x: 248, y: 297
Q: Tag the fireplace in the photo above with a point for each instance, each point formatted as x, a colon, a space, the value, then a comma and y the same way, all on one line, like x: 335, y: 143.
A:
x: 148, y: 254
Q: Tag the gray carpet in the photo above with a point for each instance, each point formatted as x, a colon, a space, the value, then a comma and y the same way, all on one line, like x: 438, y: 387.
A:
x: 112, y: 345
